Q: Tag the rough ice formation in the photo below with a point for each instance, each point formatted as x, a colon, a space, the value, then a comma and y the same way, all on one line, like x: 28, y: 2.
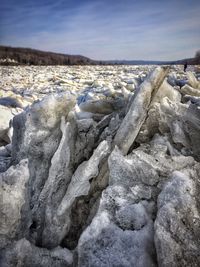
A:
x: 57, y: 221
x: 5, y: 130
x: 23, y: 253
x: 105, y: 176
x: 14, y: 210
x: 138, y: 110
x: 122, y: 231
x: 124, y: 221
x: 177, y: 222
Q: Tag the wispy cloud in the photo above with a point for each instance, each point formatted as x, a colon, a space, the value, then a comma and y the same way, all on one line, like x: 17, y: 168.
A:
x: 104, y: 29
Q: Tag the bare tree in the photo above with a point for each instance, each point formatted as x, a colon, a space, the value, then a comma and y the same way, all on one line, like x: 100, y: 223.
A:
x: 197, y: 55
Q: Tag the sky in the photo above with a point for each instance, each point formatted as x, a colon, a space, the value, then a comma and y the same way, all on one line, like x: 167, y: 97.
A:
x: 104, y: 29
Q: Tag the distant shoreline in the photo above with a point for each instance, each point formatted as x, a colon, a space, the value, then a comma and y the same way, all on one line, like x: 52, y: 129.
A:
x: 14, y: 56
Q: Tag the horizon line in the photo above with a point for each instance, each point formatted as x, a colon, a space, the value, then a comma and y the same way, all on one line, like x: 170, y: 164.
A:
x: 61, y: 53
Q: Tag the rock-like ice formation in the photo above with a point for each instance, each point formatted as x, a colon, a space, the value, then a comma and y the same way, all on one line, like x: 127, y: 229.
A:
x: 14, y: 203
x: 102, y: 168
x: 57, y: 222
x: 138, y: 110
x: 23, y: 253
x: 5, y: 129
x: 177, y: 223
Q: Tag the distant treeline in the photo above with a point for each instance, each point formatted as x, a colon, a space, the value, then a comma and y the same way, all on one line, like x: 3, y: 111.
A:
x: 28, y: 56
x: 190, y: 61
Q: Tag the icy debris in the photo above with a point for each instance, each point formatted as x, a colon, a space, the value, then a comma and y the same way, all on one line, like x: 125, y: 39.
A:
x: 102, y: 168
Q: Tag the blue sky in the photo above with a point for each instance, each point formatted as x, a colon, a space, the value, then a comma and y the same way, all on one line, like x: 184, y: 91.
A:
x: 112, y: 29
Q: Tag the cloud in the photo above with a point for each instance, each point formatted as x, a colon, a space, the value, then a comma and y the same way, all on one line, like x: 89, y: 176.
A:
x: 105, y: 29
